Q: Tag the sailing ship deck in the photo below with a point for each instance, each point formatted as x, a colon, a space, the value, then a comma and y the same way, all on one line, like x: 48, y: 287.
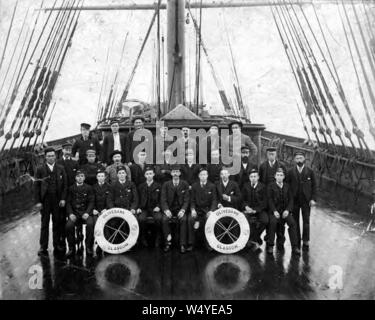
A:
x: 337, y: 242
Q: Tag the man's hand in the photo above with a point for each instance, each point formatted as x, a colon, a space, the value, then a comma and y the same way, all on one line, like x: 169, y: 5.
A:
x: 312, y: 203
x: 132, y: 211
x: 285, y: 214
x: 62, y: 203
x: 219, y: 205
x: 180, y: 214
x: 85, y: 216
x: 276, y: 214
x: 156, y: 209
x: 226, y: 197
x: 129, y: 164
x: 193, y: 213
x: 95, y: 212
x: 73, y: 218
x: 38, y: 206
x: 103, y: 211
x: 139, y: 211
x: 208, y: 214
x: 168, y: 213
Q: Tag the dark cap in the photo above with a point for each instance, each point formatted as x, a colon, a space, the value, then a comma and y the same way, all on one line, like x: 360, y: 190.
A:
x: 49, y: 149
x: 271, y: 149
x: 66, y: 145
x: 120, y: 168
x: 253, y: 170
x: 214, y: 125
x: 115, y: 152
x: 280, y: 169
x: 245, y: 148
x: 175, y: 167
x: 235, y: 122
x: 86, y: 126
x: 299, y: 153
x: 114, y: 121
x: 201, y: 169
x: 78, y: 172
x: 149, y: 168
x: 100, y: 170
x: 91, y: 151
x: 138, y: 117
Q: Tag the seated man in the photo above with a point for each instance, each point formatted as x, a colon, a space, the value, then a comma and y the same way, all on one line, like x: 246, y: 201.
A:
x: 91, y: 167
x: 80, y: 204
x: 228, y: 192
x: 138, y: 168
x: 163, y: 171
x: 280, y: 203
x: 111, y: 170
x: 190, y: 169
x: 102, y: 191
x: 254, y: 205
x: 203, y: 202
x: 149, y: 204
x: 123, y: 192
x: 174, y: 203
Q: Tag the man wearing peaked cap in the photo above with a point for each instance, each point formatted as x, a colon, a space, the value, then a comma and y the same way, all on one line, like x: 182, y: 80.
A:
x: 85, y: 142
x: 91, y: 167
x: 246, y: 165
x: 138, y: 123
x: 111, y: 170
x: 115, y: 141
x: 268, y: 168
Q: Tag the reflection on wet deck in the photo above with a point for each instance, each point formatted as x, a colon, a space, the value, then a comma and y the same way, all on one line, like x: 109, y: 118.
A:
x: 337, y: 249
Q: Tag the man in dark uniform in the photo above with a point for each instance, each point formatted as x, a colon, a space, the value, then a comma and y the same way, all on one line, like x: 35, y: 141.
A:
x: 214, y: 167
x: 246, y: 166
x: 149, y: 204
x: 111, y: 170
x: 174, y: 203
x: 79, y: 208
x: 85, y: 142
x: 267, y: 169
x: 138, y: 169
x: 123, y: 193
x: 114, y: 141
x: 302, y: 181
x: 203, y: 202
x: 70, y: 165
x: 254, y: 206
x: 163, y: 171
x: 280, y: 204
x: 50, y: 196
x: 138, y: 123
x: 91, y: 167
x: 190, y: 170
x: 102, y: 191
x: 228, y: 192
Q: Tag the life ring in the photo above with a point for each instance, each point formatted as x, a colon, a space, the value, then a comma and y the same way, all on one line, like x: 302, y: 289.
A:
x: 117, y: 273
x: 227, y: 230
x: 116, y: 230
x: 233, y: 266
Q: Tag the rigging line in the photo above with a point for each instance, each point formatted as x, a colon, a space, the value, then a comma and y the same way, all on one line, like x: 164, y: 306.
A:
x: 158, y: 67
x: 369, y: 28
x: 303, y: 122
x: 198, y: 62
x: 8, y: 34
x: 48, y: 123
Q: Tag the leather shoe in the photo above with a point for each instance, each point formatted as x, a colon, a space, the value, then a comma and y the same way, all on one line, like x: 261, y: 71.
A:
x: 190, y: 248
x: 167, y: 247
x: 269, y: 249
x: 296, y: 251
x: 182, y: 249
x: 42, y: 252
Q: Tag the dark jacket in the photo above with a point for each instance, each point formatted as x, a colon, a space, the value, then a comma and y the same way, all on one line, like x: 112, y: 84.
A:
x: 41, y: 184
x: 214, y: 172
x: 243, y: 176
x: 231, y: 190
x: 190, y: 174
x: 255, y: 199
x: 279, y: 201
x: 167, y: 195
x: 138, y: 174
x: 155, y: 193
x: 267, y: 173
x: 304, y: 182
x: 108, y: 148
x: 212, y: 143
x: 80, y: 200
x: 70, y: 166
x: 132, y: 144
x: 91, y: 170
x: 163, y: 173
x: 82, y: 146
x: 203, y: 199
x: 101, y: 196
x: 123, y: 196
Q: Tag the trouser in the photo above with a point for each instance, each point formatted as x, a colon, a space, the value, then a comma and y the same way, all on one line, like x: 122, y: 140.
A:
x: 71, y: 228
x: 51, y: 207
x: 258, y: 223
x: 181, y: 224
x: 201, y: 218
x: 275, y: 223
x: 147, y: 219
x: 304, y: 206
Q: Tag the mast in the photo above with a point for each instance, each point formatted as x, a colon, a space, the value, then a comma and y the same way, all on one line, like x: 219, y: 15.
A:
x: 175, y: 54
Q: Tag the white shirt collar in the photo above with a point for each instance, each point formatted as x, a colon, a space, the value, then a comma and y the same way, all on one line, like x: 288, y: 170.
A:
x: 272, y: 163
x: 300, y: 168
x: 51, y: 166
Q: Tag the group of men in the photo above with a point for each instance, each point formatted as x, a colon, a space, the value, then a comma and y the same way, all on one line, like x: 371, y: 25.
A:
x: 91, y: 177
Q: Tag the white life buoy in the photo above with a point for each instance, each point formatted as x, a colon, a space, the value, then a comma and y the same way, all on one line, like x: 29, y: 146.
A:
x: 227, y: 230
x: 116, y: 230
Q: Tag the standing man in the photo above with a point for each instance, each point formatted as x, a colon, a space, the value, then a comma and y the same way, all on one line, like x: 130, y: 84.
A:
x: 111, y: 170
x: 267, y: 169
x: 70, y: 165
x: 246, y: 166
x: 304, y: 187
x: 85, y: 142
x: 163, y: 171
x: 149, y: 204
x: 79, y: 208
x: 91, y: 167
x: 203, y: 202
x: 212, y: 141
x: 138, y: 169
x: 50, y: 195
x: 174, y: 203
x: 214, y: 167
x: 186, y: 142
x: 280, y: 203
x: 228, y: 192
x: 236, y: 127
x: 254, y: 206
x: 112, y: 142
x: 138, y: 123
x: 190, y: 169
